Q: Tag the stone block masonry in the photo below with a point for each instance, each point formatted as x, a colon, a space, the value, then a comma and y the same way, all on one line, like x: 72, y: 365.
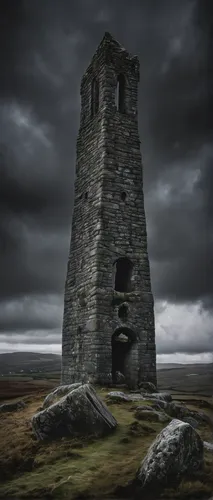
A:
x: 108, y: 322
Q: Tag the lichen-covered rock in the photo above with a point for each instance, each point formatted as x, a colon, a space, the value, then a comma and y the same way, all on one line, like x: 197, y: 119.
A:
x: 173, y: 409
x: 163, y: 396
x: 134, y: 396
x: 147, y: 387
x: 181, y: 412
x: 60, y: 391
x: 122, y: 397
x: 17, y: 406
x: 208, y: 446
x: 151, y: 415
x: 142, y: 408
x: 176, y: 451
x: 79, y: 413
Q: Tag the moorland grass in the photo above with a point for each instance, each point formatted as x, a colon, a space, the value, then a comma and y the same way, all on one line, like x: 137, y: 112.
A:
x: 73, y: 468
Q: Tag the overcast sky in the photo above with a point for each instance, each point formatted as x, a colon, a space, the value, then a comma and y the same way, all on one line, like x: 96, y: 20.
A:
x: 45, y: 47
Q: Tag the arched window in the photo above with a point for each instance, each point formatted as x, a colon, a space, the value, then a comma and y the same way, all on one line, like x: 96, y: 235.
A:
x: 94, y: 97
x: 120, y: 93
x: 123, y: 274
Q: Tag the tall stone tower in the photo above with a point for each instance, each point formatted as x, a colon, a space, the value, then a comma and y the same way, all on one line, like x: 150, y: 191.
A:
x: 108, y: 323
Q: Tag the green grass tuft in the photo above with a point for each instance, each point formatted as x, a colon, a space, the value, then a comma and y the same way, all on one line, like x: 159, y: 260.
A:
x: 70, y: 468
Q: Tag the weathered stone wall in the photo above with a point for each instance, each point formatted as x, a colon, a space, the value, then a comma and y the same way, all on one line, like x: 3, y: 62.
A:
x: 105, y: 227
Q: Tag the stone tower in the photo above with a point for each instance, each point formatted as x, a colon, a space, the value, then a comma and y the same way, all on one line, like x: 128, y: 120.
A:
x: 108, y: 323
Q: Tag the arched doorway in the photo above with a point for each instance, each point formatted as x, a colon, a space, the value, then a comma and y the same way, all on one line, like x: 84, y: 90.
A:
x: 123, y: 347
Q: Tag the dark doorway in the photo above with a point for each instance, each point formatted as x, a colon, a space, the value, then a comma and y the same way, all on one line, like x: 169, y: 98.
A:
x: 122, y: 343
x: 123, y: 274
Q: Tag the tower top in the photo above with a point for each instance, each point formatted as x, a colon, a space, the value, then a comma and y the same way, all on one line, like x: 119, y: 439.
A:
x: 109, y: 40
x: 107, y: 48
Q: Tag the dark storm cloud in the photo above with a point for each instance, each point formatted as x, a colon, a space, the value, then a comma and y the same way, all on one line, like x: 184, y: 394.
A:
x: 182, y: 223
x: 45, y: 47
x: 30, y: 313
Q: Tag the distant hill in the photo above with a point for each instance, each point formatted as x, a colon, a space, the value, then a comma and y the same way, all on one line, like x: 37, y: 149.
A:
x: 168, y: 366
x: 196, y: 378
x: 28, y: 362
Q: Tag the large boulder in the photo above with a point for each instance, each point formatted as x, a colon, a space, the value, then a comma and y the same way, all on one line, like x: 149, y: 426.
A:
x: 9, y: 407
x: 79, y: 413
x: 60, y: 391
x: 177, y: 450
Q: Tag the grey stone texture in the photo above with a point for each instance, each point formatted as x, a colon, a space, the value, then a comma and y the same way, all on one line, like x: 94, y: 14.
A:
x: 59, y: 392
x: 176, y: 452
x: 79, y: 413
x: 104, y: 296
x: 9, y: 407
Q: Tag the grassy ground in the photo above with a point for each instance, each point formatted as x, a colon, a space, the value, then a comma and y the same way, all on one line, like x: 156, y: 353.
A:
x: 71, y: 469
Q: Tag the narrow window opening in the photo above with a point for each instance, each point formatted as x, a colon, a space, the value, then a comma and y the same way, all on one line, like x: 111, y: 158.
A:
x: 123, y: 274
x: 123, y: 196
x: 86, y: 196
x: 120, y: 93
x: 94, y: 97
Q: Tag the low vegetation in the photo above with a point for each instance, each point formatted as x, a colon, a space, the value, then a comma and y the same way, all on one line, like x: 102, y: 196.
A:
x: 17, y: 387
x: 73, y: 469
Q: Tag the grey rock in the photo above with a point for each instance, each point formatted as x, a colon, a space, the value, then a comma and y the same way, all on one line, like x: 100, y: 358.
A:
x: 184, y: 413
x: 208, y: 446
x: 181, y: 412
x: 142, y: 408
x: 134, y: 396
x: 121, y: 396
x: 80, y: 413
x: 203, y: 417
x: 163, y: 396
x: 60, y: 391
x: 151, y: 415
x: 191, y: 421
x: 147, y: 387
x: 176, y: 451
x: 9, y: 407
x: 119, y: 378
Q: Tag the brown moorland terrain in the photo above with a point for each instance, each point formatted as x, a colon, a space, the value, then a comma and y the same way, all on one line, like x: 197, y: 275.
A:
x: 15, y: 388
x: 84, y: 468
